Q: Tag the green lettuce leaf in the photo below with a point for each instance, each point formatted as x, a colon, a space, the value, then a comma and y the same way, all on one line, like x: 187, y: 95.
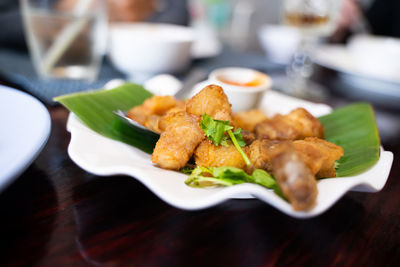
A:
x: 227, y: 176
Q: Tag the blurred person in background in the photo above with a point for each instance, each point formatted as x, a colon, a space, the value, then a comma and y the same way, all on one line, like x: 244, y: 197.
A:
x: 165, y: 11
x: 378, y: 17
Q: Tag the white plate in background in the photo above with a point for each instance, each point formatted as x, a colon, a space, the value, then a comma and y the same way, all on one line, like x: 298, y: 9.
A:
x: 25, y: 128
x: 102, y: 156
x: 368, y: 68
x: 365, y: 55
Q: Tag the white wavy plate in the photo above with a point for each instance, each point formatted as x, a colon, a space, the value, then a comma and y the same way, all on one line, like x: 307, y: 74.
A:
x: 102, y: 156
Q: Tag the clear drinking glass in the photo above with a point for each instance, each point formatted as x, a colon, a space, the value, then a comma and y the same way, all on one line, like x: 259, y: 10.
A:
x: 314, y: 19
x: 66, y: 38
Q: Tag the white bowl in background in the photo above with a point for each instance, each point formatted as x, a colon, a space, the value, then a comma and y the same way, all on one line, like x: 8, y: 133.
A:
x: 279, y: 42
x: 243, y: 87
x: 376, y: 55
x: 150, y: 48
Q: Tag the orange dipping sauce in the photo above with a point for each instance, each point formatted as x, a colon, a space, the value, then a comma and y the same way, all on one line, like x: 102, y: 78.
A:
x: 258, y: 80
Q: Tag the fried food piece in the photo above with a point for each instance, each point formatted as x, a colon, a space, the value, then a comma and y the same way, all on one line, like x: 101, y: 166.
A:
x: 156, y: 105
x: 211, y: 100
x: 247, y: 120
x: 294, y: 178
x: 139, y: 114
x: 298, y: 124
x: 178, y: 142
x: 164, y: 121
x: 152, y: 123
x: 209, y: 155
x: 260, y: 154
x: 319, y: 155
x: 248, y: 137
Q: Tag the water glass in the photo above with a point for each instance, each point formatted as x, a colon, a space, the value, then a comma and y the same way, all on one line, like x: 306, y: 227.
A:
x: 313, y: 19
x: 66, y: 38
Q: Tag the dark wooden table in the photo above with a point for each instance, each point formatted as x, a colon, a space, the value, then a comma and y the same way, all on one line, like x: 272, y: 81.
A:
x: 58, y: 214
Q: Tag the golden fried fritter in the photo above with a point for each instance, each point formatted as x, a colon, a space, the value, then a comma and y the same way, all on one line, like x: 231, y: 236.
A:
x: 248, y: 137
x: 164, y: 121
x: 152, y: 123
x: 209, y: 155
x: 298, y: 124
x: 156, y: 105
x: 178, y: 142
x: 260, y: 154
x: 319, y: 155
x: 247, y: 120
x: 211, y: 100
x: 294, y: 178
x: 139, y: 114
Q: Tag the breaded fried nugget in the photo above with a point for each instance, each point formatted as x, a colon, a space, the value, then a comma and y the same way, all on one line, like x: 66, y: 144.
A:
x: 178, y: 142
x: 156, y: 105
x: 298, y: 124
x: 319, y: 155
x: 209, y: 155
x: 248, y: 137
x: 164, y: 121
x: 260, y: 154
x: 247, y: 120
x: 152, y: 123
x: 294, y: 178
x: 139, y: 114
x: 211, y: 100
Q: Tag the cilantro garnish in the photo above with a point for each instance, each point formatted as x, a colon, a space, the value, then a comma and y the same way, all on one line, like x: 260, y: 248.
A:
x: 228, y: 176
x: 215, y: 131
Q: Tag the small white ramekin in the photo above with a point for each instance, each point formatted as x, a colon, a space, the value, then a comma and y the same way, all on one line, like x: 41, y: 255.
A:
x: 233, y: 81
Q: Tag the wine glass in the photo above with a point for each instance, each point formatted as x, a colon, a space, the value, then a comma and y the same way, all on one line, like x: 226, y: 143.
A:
x: 314, y: 19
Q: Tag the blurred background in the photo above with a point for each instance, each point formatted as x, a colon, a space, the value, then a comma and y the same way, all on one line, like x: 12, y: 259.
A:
x: 235, y: 20
x: 358, y: 44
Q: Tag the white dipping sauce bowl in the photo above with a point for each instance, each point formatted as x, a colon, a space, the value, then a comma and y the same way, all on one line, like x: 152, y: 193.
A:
x: 244, y: 87
x: 150, y: 48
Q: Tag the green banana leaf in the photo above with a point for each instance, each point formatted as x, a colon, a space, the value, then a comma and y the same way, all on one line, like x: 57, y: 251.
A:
x: 95, y: 110
x: 352, y: 127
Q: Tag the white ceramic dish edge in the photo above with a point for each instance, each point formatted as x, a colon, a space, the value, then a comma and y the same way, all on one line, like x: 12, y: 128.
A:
x: 30, y: 130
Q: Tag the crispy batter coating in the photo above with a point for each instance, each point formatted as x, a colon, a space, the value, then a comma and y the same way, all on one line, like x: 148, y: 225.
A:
x: 260, y: 154
x: 152, y: 123
x: 298, y: 124
x: 209, y: 155
x: 248, y: 137
x: 178, y: 142
x: 156, y: 105
x: 319, y: 155
x: 164, y: 121
x: 294, y: 178
x: 139, y: 114
x: 247, y: 120
x: 211, y: 100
